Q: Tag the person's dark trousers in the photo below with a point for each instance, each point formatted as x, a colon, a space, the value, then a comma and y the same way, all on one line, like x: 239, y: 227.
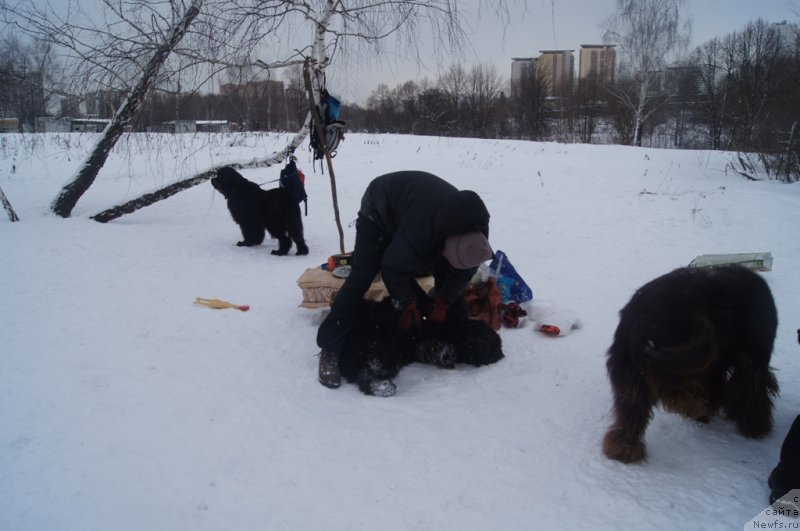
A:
x: 786, y: 476
x: 365, y: 264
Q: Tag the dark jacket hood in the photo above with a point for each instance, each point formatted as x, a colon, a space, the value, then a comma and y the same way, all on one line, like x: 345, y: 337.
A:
x: 461, y: 212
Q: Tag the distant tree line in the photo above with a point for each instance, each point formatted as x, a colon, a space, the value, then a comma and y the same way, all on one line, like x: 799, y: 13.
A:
x: 26, y: 69
x: 738, y: 92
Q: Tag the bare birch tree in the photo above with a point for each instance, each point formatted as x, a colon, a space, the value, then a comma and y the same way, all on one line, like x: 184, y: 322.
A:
x: 12, y: 215
x: 108, y: 47
x: 72, y: 191
x: 645, y: 32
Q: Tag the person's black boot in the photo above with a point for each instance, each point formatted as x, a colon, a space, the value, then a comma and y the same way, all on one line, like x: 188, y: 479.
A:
x: 786, y: 476
x: 329, y: 375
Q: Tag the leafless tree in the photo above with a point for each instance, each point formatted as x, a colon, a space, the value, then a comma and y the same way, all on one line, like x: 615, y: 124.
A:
x: 28, y: 73
x: 296, y: 104
x: 756, y: 53
x: 72, y: 192
x: 453, y: 83
x: 109, y: 49
x: 433, y: 113
x: 645, y: 32
x: 484, y: 86
x: 715, y: 69
x: 12, y: 215
x: 528, y: 106
x: 586, y: 106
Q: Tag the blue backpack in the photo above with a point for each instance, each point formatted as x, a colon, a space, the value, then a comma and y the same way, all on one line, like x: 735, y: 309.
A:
x: 332, y: 127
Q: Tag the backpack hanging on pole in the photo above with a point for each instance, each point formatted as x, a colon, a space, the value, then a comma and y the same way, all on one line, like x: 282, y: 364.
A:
x: 293, y: 181
x: 332, y: 127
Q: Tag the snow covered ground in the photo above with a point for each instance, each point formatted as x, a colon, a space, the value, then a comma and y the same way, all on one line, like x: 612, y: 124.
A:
x: 124, y: 406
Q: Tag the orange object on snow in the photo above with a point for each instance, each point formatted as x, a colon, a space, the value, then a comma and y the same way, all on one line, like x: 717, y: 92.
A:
x: 551, y: 329
x: 218, y: 304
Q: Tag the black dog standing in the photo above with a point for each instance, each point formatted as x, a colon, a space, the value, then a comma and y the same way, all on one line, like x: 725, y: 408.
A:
x: 255, y: 210
x: 697, y: 340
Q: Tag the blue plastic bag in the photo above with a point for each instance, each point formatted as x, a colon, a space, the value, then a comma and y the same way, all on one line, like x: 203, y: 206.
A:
x: 512, y: 287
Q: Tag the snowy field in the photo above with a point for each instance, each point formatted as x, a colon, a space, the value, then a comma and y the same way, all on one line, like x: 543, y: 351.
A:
x: 124, y: 406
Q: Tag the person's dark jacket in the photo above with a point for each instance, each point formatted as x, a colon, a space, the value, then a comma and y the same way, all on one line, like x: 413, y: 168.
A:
x: 417, y: 211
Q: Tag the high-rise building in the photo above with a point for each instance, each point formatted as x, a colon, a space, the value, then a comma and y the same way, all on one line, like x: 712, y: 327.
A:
x: 522, y: 69
x: 598, y: 61
x: 556, y: 69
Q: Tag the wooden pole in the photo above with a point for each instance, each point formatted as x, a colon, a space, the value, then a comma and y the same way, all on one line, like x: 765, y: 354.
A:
x: 321, y: 135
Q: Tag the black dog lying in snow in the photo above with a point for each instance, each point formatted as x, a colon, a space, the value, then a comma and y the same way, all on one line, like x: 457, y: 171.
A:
x: 376, y: 349
x: 697, y: 341
x: 254, y: 210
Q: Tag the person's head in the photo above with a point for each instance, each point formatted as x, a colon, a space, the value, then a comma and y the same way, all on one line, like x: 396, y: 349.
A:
x: 463, y: 223
x: 461, y: 212
x: 467, y: 251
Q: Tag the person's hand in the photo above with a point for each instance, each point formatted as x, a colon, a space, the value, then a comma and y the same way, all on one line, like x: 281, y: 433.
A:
x: 438, y: 310
x: 409, y: 317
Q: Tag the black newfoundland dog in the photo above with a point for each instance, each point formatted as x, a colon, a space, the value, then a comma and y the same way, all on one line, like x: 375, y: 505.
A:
x: 254, y: 210
x: 696, y: 340
x: 376, y: 349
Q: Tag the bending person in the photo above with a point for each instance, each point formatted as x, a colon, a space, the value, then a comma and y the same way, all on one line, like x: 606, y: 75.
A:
x: 410, y: 224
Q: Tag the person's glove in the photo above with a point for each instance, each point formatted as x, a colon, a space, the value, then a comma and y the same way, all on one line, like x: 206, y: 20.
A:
x: 438, y: 310
x: 409, y: 317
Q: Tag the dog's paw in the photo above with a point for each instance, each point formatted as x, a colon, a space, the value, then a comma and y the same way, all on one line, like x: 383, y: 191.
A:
x: 302, y: 251
x: 382, y: 388
x: 241, y: 244
x: 438, y: 353
x: 615, y: 448
x: 278, y: 252
x: 754, y: 428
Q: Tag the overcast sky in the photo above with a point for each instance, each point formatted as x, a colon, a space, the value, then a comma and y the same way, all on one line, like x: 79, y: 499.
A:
x: 536, y: 25
x: 560, y: 24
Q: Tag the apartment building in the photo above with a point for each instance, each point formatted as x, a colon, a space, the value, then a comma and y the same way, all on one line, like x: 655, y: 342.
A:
x: 556, y: 68
x: 598, y: 61
x: 522, y: 69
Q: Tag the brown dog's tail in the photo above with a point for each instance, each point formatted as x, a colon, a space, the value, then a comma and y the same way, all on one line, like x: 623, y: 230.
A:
x: 691, y: 356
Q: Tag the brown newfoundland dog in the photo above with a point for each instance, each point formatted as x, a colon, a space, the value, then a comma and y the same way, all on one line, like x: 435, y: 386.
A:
x: 696, y: 340
x: 255, y: 210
